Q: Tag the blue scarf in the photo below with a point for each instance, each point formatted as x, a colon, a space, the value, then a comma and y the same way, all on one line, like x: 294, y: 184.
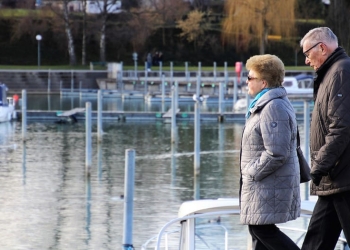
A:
x: 257, y: 97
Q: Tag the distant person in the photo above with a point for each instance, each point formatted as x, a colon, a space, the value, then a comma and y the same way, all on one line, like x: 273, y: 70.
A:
x: 160, y: 58
x: 329, y: 139
x: 149, y: 61
x: 270, y: 178
x: 156, y: 59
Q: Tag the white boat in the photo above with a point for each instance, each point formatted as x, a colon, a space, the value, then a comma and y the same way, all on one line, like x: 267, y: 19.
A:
x: 7, y: 105
x: 300, y: 86
x: 214, y: 224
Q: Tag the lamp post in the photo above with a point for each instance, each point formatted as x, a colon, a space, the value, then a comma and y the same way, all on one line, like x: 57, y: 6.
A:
x: 38, y: 38
x: 134, y: 56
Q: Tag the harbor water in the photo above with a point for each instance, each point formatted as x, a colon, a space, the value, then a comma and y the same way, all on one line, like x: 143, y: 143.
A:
x: 47, y: 201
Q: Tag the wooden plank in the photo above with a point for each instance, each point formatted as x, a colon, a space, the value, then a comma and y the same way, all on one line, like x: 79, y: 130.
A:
x: 72, y: 112
x: 168, y: 114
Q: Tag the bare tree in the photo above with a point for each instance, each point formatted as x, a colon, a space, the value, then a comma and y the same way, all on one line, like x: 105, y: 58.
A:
x: 105, y: 9
x: 193, y: 27
x: 70, y: 39
x: 249, y: 21
x: 83, y: 47
x: 142, y: 24
x: 337, y: 20
x: 168, y: 12
x: 60, y: 8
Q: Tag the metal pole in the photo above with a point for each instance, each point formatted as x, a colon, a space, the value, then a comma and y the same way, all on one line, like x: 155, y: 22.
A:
x: 173, y: 114
x: 49, y: 82
x: 135, y: 68
x: 226, y: 74
x: 176, y: 96
x: 214, y: 72
x: 38, y: 54
x: 24, y: 114
x: 71, y: 82
x: 171, y: 72
x: 160, y: 69
x: 163, y: 89
x: 129, y: 198
x: 99, y: 115
x: 235, y: 87
x: 197, y: 137
x: 88, y: 137
x: 198, y: 86
x: 186, y: 71
x: 221, y: 97
x: 306, y: 128
x: 306, y: 140
x: 146, y: 79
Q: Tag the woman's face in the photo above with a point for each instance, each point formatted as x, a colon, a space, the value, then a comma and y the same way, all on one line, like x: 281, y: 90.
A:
x: 255, y: 85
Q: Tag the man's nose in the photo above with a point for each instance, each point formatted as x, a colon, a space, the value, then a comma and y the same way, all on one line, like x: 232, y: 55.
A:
x: 307, y: 61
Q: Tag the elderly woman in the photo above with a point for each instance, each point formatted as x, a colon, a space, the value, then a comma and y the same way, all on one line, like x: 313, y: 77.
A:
x: 270, y: 180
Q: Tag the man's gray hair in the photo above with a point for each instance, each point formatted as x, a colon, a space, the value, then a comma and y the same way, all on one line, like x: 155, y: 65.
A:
x: 320, y: 34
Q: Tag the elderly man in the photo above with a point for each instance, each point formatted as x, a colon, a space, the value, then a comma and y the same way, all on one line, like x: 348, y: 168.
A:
x: 329, y: 139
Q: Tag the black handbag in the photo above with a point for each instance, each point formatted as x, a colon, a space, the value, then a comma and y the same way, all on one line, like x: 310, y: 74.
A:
x: 304, y: 166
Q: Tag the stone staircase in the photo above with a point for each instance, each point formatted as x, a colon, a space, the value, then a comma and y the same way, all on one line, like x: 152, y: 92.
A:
x: 53, y: 80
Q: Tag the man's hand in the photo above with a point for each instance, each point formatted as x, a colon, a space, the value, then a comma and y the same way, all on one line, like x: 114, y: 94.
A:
x: 316, y: 178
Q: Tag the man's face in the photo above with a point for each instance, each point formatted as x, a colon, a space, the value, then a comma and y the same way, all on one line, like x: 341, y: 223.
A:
x: 313, y: 52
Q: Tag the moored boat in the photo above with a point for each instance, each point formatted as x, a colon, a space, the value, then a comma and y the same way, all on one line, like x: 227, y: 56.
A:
x: 214, y: 224
x: 7, y: 105
x: 297, y: 87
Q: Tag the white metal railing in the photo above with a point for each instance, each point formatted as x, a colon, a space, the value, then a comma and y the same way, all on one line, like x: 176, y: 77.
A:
x: 158, y: 238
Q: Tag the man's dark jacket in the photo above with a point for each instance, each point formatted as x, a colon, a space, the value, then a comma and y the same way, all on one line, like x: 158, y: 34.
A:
x: 330, y: 126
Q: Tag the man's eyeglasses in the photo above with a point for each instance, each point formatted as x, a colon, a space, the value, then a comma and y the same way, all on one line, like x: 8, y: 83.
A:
x: 305, y: 53
x: 251, y: 78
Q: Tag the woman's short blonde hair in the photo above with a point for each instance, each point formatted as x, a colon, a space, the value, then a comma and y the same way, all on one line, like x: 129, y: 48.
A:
x: 267, y: 67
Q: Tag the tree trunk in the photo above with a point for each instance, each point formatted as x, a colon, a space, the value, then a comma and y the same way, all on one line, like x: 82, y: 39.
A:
x: 163, y: 36
x: 83, y: 47
x: 103, y: 43
x: 70, y: 40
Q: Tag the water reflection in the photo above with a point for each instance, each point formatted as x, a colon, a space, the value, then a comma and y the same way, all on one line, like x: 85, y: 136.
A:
x: 48, y: 202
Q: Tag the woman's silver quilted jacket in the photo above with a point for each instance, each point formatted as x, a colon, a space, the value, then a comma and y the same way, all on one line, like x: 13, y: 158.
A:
x: 270, y: 189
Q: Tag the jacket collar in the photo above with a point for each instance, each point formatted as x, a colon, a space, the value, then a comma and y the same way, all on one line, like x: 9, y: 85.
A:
x: 274, y: 93
x: 337, y: 54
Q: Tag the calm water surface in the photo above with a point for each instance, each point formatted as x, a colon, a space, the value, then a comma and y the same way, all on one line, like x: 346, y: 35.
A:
x: 48, y: 202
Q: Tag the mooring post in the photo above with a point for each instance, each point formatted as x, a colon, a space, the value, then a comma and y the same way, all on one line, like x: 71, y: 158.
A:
x: 71, y: 82
x: 49, y: 82
x: 226, y: 73
x: 221, y: 101
x: 198, y: 85
x: 173, y: 114
x: 160, y: 69
x: 24, y: 114
x: 235, y: 90
x: 306, y: 140
x: 171, y: 72
x: 186, y: 72
x: 214, y: 72
x: 146, y: 79
x: 99, y: 115
x: 88, y: 137
x: 129, y: 183
x: 197, y: 136
x: 306, y: 128
x: 163, y: 88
